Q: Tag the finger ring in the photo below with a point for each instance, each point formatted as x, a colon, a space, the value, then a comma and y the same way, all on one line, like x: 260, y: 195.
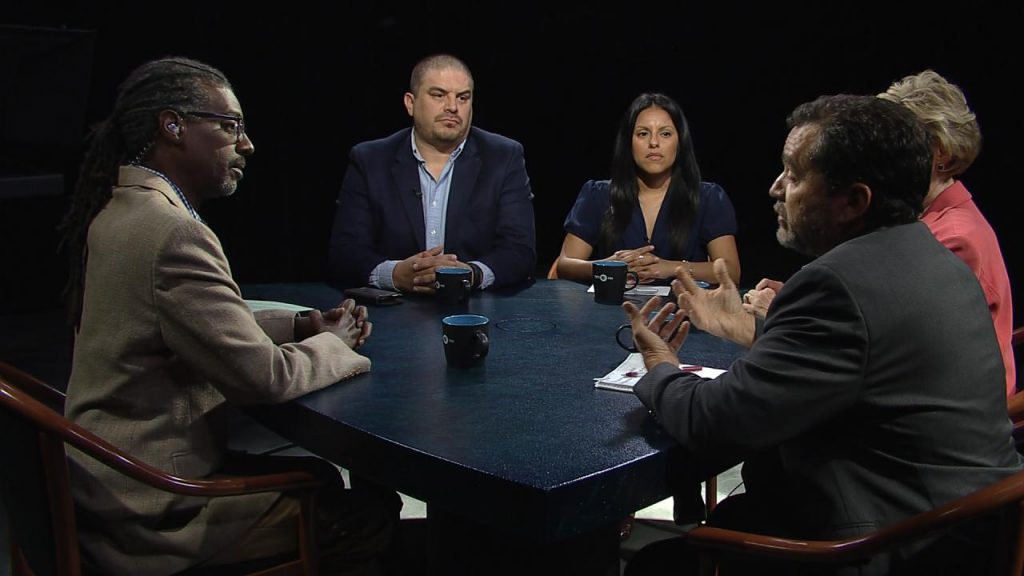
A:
x: 641, y: 257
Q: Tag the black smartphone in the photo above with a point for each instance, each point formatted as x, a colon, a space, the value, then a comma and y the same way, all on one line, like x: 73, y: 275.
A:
x: 374, y: 296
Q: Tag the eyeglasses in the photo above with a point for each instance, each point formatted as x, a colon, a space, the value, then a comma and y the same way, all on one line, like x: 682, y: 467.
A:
x: 231, y: 124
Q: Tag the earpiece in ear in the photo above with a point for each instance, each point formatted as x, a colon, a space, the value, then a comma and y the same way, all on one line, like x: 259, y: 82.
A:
x: 173, y: 128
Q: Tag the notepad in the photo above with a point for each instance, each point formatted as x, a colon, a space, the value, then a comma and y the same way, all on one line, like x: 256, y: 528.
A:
x: 652, y: 290
x: 632, y: 369
x: 642, y: 291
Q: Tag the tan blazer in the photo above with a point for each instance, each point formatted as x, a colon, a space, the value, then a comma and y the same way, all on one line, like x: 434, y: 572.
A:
x: 165, y: 340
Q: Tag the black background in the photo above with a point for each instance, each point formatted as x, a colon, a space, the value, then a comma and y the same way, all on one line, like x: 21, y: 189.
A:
x: 316, y: 78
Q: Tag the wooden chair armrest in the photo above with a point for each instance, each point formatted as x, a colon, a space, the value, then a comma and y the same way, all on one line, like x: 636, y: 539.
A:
x: 738, y: 542
x: 978, y: 504
x: 103, y: 451
x: 38, y: 389
x: 1015, y: 403
x: 1018, y: 432
x: 1015, y: 407
x: 553, y: 271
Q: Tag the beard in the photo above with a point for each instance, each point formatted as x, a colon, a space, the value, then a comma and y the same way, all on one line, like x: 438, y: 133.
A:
x: 441, y: 133
x: 228, y: 187
x: 788, y: 239
x: 812, y: 234
x: 229, y: 180
x: 434, y: 132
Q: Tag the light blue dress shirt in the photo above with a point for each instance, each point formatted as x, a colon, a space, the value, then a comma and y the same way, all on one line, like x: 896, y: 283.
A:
x: 434, y: 195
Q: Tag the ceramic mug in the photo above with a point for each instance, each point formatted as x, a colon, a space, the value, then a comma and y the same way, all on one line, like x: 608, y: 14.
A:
x: 453, y: 285
x: 610, y: 281
x: 466, y: 339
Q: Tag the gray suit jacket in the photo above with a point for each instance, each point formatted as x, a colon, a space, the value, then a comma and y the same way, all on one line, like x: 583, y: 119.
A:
x: 875, y: 391
x: 165, y: 340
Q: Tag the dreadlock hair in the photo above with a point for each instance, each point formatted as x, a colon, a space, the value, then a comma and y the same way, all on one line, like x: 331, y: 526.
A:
x: 125, y: 137
x: 683, y: 195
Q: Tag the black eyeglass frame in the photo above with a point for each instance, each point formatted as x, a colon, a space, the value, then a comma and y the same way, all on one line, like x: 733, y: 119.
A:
x: 239, y: 123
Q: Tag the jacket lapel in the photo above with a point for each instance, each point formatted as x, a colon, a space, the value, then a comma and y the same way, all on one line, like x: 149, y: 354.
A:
x: 405, y: 175
x: 467, y: 168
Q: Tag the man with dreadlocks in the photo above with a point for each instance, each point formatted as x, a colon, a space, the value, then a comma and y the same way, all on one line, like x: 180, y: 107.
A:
x: 164, y: 342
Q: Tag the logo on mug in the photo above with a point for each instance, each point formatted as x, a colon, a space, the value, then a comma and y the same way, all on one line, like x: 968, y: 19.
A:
x: 602, y: 277
x: 447, y: 340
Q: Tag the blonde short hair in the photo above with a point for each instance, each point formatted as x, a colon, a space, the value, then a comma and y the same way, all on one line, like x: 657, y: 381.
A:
x: 942, y: 107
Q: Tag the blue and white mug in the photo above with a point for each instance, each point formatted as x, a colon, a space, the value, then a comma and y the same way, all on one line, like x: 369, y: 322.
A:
x: 466, y: 339
x: 610, y: 281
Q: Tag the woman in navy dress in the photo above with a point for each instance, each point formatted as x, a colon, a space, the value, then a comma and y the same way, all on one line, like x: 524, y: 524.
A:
x: 654, y: 214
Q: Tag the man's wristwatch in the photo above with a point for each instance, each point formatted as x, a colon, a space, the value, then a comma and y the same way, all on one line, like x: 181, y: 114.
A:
x: 476, y: 276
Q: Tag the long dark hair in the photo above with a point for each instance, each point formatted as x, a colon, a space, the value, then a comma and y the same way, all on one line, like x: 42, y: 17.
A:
x: 683, y: 196
x: 125, y: 137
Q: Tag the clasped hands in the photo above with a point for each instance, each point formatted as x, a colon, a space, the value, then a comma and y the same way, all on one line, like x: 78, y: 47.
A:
x: 416, y: 273
x: 757, y: 300
x: 347, y: 321
x: 645, y: 263
x: 718, y: 311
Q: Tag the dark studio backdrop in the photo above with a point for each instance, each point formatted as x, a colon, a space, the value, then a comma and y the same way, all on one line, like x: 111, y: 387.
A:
x: 316, y: 78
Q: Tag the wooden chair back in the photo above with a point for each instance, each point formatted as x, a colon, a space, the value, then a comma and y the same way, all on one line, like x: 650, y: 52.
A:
x: 1015, y: 403
x: 36, y: 487
x: 34, y: 480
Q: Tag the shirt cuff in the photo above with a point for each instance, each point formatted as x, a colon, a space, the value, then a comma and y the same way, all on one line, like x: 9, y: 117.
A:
x: 380, y: 276
x: 487, y: 272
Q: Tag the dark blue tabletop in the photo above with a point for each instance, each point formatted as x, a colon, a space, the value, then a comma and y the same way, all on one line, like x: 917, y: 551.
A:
x: 523, y: 443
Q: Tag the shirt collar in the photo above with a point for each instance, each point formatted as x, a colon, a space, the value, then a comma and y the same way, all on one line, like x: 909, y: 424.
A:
x: 139, y: 175
x: 955, y: 195
x: 419, y: 157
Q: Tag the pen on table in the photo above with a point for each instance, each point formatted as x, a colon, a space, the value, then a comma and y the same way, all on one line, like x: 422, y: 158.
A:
x: 683, y: 367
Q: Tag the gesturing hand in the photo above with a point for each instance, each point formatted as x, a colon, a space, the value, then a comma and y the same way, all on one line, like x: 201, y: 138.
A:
x: 658, y: 339
x: 718, y: 311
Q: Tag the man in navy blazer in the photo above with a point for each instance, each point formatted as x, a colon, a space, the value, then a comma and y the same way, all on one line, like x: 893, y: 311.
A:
x: 435, y: 195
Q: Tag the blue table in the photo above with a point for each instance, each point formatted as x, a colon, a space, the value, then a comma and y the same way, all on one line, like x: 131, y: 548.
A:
x: 524, y: 444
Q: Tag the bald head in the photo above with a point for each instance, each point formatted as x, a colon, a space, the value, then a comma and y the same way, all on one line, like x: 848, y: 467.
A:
x: 436, y: 62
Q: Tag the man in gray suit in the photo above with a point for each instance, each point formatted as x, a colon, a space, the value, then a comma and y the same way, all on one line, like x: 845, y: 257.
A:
x: 874, y: 388
x: 164, y: 341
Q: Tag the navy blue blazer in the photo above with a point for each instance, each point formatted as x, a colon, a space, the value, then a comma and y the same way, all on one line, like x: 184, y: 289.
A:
x: 379, y: 213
